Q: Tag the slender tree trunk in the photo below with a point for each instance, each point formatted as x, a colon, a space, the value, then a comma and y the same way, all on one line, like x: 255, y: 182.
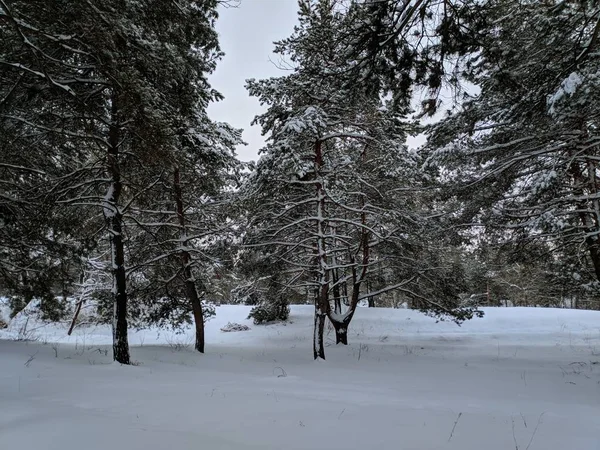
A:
x: 186, y: 260
x: 322, y: 294
x: 337, y: 298
x: 75, y: 316
x: 319, y: 328
x: 114, y: 219
x: 370, y: 299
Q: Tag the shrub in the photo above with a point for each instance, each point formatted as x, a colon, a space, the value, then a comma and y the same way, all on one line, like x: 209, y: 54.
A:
x: 270, y: 311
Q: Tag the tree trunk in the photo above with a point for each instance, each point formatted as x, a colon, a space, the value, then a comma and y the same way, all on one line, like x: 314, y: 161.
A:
x: 322, y: 276
x: 186, y: 260
x: 194, y: 298
x: 114, y: 220
x: 341, y: 333
x: 590, y: 222
x: 318, y: 341
x: 370, y: 299
x: 337, y: 298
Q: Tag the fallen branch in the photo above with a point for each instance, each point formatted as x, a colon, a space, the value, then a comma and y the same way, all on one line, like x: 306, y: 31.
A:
x: 454, y: 427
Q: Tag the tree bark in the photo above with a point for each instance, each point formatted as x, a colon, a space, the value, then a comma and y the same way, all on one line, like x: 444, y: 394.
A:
x: 322, y: 292
x: 337, y: 298
x: 341, y: 332
x: 114, y: 220
x: 590, y: 225
x: 186, y: 260
x: 318, y: 341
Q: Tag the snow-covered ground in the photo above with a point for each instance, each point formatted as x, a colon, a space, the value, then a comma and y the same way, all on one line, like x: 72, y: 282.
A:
x: 526, y: 379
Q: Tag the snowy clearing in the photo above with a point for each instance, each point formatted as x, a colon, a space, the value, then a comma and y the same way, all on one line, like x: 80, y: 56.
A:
x: 517, y: 379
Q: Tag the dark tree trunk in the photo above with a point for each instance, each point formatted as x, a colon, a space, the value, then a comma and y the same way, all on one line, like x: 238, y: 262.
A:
x: 592, y: 245
x: 590, y: 223
x: 341, y: 333
x: 337, y: 298
x: 194, y: 298
x: 318, y: 341
x: 114, y: 221
x: 322, y: 292
x: 120, y: 340
x: 186, y: 260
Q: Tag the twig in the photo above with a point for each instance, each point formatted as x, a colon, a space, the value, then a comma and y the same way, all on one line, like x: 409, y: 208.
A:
x: 31, y: 358
x: 524, y: 421
x: 535, y: 430
x: 341, y: 413
x: 454, y: 427
x: 75, y: 316
x: 513, y: 430
x: 283, y: 373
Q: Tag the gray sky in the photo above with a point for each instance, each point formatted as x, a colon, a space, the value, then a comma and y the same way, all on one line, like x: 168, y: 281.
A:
x: 246, y: 36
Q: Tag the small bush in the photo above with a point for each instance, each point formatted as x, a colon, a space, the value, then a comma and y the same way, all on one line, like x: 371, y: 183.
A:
x: 16, y: 304
x: 53, y: 309
x: 270, y: 312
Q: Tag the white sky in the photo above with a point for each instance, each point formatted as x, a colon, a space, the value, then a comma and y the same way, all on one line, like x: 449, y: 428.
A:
x: 246, y: 36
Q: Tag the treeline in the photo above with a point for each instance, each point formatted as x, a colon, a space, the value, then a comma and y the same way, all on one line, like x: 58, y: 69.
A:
x: 118, y: 190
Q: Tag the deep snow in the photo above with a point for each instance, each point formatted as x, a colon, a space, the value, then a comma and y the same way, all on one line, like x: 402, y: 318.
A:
x: 520, y: 378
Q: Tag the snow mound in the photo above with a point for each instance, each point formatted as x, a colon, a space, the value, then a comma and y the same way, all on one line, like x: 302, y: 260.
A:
x: 234, y: 326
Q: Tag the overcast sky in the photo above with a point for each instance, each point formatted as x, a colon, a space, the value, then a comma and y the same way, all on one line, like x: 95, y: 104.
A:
x: 246, y: 36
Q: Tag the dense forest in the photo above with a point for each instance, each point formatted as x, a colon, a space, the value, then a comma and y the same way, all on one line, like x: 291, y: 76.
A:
x: 122, y: 201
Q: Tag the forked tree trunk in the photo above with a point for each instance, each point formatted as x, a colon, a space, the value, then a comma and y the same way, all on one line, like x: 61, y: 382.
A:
x: 186, y: 260
x: 114, y: 219
x: 341, y: 322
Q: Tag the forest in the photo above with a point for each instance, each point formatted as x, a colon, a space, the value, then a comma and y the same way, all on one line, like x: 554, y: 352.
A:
x: 123, y: 202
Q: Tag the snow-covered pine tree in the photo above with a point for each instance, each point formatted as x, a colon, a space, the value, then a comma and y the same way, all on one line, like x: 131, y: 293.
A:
x: 525, y: 149
x: 98, y: 85
x: 336, y: 185
x: 182, y: 221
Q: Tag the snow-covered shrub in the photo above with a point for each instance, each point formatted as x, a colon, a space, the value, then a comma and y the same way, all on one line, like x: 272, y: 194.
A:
x: 48, y: 307
x: 53, y: 309
x: 270, y: 311
x: 233, y: 326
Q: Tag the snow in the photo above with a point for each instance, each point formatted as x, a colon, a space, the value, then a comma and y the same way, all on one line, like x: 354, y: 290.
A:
x: 568, y: 87
x: 518, y: 378
x: 109, y: 202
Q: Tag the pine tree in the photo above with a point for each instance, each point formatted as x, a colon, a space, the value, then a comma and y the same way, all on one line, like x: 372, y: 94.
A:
x: 335, y: 187
x: 528, y: 141
x: 108, y: 90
